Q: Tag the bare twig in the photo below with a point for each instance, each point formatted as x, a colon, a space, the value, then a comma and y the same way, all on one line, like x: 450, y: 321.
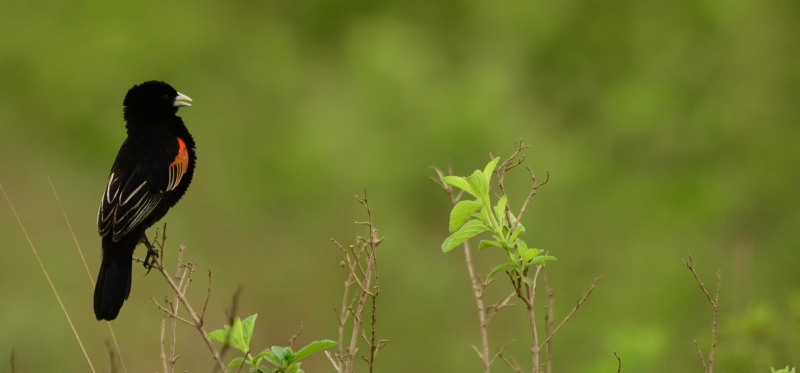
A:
x: 511, y: 363
x: 702, y: 355
x: 163, y: 340
x: 483, y: 315
x: 578, y: 304
x: 478, y: 286
x: 360, y: 260
x: 296, y: 335
x: 495, y: 308
x: 208, y: 296
x: 86, y: 267
x: 47, y: 277
x: 535, y: 346
x: 168, y: 312
x: 332, y: 360
x: 619, y: 361
x: 499, y: 352
x: 548, y: 324
x: 534, y: 187
x: 112, y: 357
x: 178, y: 284
x: 707, y: 360
x: 231, y: 314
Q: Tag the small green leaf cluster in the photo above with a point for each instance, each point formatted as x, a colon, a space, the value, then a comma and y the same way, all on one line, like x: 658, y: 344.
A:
x: 784, y: 370
x: 282, y: 359
x: 468, y: 218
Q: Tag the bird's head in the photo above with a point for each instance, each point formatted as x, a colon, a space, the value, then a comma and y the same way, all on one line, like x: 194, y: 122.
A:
x: 153, y: 100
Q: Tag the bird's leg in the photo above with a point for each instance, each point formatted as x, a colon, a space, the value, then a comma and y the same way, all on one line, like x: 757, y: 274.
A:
x: 152, y: 254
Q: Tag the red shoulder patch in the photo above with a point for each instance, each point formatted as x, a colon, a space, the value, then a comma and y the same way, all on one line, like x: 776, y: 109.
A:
x: 178, y: 166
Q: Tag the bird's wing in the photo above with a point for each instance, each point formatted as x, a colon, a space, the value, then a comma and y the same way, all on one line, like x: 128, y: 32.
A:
x: 133, y: 194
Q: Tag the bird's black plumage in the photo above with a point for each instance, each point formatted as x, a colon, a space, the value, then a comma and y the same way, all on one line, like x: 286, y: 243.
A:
x: 152, y: 171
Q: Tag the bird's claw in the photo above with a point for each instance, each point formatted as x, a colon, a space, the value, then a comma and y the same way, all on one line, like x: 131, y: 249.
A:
x: 151, y: 259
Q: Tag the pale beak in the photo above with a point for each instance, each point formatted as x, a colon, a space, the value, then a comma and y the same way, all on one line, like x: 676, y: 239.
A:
x: 182, y: 100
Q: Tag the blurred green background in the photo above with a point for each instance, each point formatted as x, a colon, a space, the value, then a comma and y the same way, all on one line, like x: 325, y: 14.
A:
x: 667, y: 127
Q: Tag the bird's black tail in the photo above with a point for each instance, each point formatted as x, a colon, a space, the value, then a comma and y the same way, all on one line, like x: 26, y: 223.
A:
x: 114, y: 280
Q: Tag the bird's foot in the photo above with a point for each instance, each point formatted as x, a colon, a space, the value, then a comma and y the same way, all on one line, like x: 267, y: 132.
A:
x: 151, y: 259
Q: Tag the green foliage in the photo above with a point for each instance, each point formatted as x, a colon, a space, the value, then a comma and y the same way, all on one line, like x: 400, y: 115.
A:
x: 282, y: 359
x: 784, y: 370
x: 469, y: 218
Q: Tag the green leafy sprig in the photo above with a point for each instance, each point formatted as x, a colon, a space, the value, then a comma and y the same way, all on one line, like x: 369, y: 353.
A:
x: 471, y: 217
x: 282, y: 359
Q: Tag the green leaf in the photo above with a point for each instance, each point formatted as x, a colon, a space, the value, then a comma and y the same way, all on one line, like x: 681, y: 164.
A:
x: 530, y: 254
x: 487, y: 171
x: 219, y: 334
x: 283, y: 353
x: 468, y: 230
x: 520, y: 229
x: 269, y: 356
x: 313, y: 347
x: 248, y: 325
x: 460, y: 212
x: 500, y: 208
x: 479, y: 185
x: 500, y: 267
x: 483, y: 214
x: 235, y: 364
x: 543, y: 258
x: 488, y: 243
x: 459, y: 182
x: 513, y: 256
x: 234, y: 335
x: 522, y: 247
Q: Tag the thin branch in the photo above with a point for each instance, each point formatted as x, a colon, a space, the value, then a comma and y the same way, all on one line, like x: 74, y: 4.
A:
x: 702, y: 355
x: 208, y: 296
x: 163, y: 343
x: 535, y: 346
x: 500, y: 351
x: 477, y: 285
x: 509, y: 163
x: 689, y: 265
x: 47, y: 276
x: 534, y: 187
x: 495, y: 308
x: 708, y: 360
x: 168, y: 312
x: 548, y: 324
x: 296, y: 335
x: 511, y: 363
x: 360, y: 260
x: 71, y: 232
x: 196, y: 321
x: 332, y: 360
x: 619, y: 361
x: 477, y: 291
x: 574, y: 309
x: 231, y: 314
x: 86, y: 267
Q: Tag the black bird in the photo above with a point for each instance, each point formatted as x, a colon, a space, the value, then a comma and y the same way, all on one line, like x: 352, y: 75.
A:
x: 151, y: 173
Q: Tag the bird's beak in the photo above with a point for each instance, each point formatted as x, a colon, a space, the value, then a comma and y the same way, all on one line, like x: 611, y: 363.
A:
x: 182, y: 100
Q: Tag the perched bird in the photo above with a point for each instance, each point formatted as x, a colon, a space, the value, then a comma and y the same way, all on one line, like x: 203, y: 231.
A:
x: 151, y: 173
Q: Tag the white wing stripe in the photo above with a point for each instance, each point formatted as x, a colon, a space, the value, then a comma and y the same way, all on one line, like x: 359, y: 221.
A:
x: 133, y: 193
x: 111, y: 181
